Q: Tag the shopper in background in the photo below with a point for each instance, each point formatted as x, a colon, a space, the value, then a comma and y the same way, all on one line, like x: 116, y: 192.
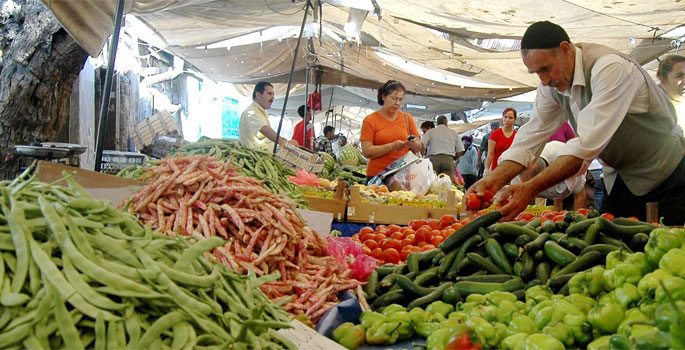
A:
x: 427, y: 125
x: 595, y: 169
x: 254, y: 130
x: 563, y: 134
x: 671, y: 74
x: 467, y: 162
x: 443, y: 148
x: 298, y: 133
x: 483, y: 149
x: 500, y: 140
x: 388, y: 134
x: 324, y: 142
x: 339, y: 143
x: 621, y: 116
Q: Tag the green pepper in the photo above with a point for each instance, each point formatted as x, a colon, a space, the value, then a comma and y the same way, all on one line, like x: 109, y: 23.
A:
x: 488, y: 312
x: 440, y: 307
x: 560, y: 331
x: 349, y: 335
x: 542, y: 313
x: 619, y: 342
x: 660, y: 242
x: 677, y: 327
x: 649, y: 283
x: 621, y: 274
x: 514, y: 342
x: 627, y: 328
x: 419, y: 315
x: 370, y: 318
x: 383, y: 333
x: 665, y: 314
x: 581, y: 302
x: 606, y: 316
x: 486, y: 332
x: 521, y: 324
x: 438, y: 339
x: 671, y: 261
x: 675, y: 286
x: 497, y: 297
x: 425, y: 329
x: 457, y: 315
x: 640, y: 260
x: 543, y: 342
x: 580, y: 327
x: 475, y: 298
x: 601, y: 343
x: 406, y: 329
x: 437, y: 318
x: 647, y: 306
x: 538, y: 293
x: 654, y: 339
x: 468, y: 306
x: 505, y: 311
x: 587, y: 282
x: 616, y: 257
x: 626, y: 295
x: 392, y: 308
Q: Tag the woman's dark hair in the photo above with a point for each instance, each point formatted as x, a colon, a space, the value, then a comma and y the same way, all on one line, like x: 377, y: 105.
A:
x: 666, y: 65
x: 387, y: 88
x: 509, y: 109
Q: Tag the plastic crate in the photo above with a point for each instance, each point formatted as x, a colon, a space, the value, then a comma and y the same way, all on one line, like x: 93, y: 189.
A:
x: 114, y: 161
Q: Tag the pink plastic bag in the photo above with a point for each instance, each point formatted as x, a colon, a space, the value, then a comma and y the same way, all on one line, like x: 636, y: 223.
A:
x: 304, y: 178
x: 349, y: 253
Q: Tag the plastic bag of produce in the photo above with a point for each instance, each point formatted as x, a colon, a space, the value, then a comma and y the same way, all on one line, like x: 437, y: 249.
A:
x: 304, y: 178
x: 417, y: 177
x: 348, y: 253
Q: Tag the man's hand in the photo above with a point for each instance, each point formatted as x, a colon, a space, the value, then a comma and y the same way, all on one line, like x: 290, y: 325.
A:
x: 518, y: 196
x: 414, y: 146
x: 494, y: 181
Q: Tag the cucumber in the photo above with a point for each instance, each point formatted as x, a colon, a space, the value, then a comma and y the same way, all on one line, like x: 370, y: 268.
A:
x: 371, y: 284
x: 564, y: 290
x: 484, y: 264
x: 579, y: 218
x: 436, y: 294
x: 591, y: 233
x: 568, y: 242
x: 558, y: 254
x: 387, y: 299
x: 622, y: 232
x: 437, y: 258
x: 495, y: 252
x: 561, y: 225
x: 426, y: 258
x: 427, y: 276
x: 638, y: 242
x: 446, y: 263
x: 410, y: 287
x: 616, y: 242
x: 569, y: 216
x: 528, y: 266
x: 533, y: 283
x: 512, y: 230
x: 560, y: 280
x: 542, y: 272
x: 461, y: 255
x: 486, y: 278
x: 455, y: 239
x: 466, y: 288
x: 385, y: 270
x: 631, y: 222
x: 485, y: 234
x: 401, y: 269
x: 511, y: 250
x: 585, y: 261
x: 522, y: 240
x: 539, y: 256
x: 603, y: 249
x: 413, y: 261
x: 578, y: 228
x: 549, y: 226
x: 517, y: 268
x: 537, y: 243
x: 388, y: 281
x: 533, y: 224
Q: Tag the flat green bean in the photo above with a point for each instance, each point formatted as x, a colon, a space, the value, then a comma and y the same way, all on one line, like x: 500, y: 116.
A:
x: 16, y: 221
x: 197, y: 250
x: 65, y: 324
x: 160, y: 325
x: 86, y: 290
x: 100, y: 332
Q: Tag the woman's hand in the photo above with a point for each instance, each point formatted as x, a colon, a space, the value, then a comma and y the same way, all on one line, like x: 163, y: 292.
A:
x: 398, y: 145
x: 414, y: 145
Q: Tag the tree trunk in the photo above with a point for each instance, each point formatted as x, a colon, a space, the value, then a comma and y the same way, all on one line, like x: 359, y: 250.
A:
x: 39, y: 62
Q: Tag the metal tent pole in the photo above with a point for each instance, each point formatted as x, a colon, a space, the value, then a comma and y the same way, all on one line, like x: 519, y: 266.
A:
x: 290, y: 76
x: 306, y: 102
x: 104, y: 105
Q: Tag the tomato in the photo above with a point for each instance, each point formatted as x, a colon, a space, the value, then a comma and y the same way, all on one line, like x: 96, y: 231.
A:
x: 379, y: 237
x: 423, y: 234
x: 427, y: 247
x: 406, y: 242
x: 448, y: 232
x: 391, y: 255
x: 391, y: 243
x: 393, y: 228
x: 436, y: 240
x: 447, y: 220
x: 398, y: 236
x: 456, y: 226
x: 435, y: 233
x: 355, y: 236
x: 481, y: 212
x: 421, y: 244
x: 365, y: 229
x: 366, y: 236
x: 473, y: 202
x: 487, y: 195
x: 543, y: 219
x: 558, y: 218
x: 608, y: 216
x: 583, y: 211
x: 466, y: 221
x: 435, y: 224
x: 381, y: 228
x: 415, y: 224
x: 415, y: 248
x: 371, y: 244
x: 526, y: 216
x: 633, y: 218
x: 366, y: 250
x: 411, y: 237
x: 404, y: 253
x: 377, y: 253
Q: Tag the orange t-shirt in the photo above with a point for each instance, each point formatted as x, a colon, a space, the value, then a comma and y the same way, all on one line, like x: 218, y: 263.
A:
x: 381, y: 131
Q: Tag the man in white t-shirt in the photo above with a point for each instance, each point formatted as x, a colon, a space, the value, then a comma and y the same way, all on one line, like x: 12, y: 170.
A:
x: 574, y: 185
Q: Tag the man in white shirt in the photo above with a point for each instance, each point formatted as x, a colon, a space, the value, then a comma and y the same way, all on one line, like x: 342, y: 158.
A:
x: 444, y: 147
x: 620, y: 115
x: 255, y: 131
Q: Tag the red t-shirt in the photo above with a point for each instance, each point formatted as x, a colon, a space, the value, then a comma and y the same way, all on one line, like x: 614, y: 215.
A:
x: 502, y: 143
x: 299, y: 130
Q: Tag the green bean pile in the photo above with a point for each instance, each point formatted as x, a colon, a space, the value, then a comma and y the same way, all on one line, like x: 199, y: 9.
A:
x: 76, y: 273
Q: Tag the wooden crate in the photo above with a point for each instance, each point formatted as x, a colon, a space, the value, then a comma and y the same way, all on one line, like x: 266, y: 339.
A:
x: 373, y: 213
x: 162, y: 123
x: 336, y: 206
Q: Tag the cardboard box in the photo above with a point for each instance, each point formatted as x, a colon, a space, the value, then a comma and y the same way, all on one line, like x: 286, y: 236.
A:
x: 300, y: 158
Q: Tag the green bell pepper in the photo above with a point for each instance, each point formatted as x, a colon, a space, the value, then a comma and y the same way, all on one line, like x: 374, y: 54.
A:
x: 649, y: 283
x: 521, y: 324
x: 371, y: 318
x: 560, y: 331
x: 587, y: 282
x: 497, y: 297
x: 457, y: 315
x: 437, y: 318
x: 581, y: 302
x: 542, y: 313
x: 438, y: 339
x: 640, y: 260
x: 671, y: 262
x: 675, y: 286
x: 505, y: 311
x: 647, y: 306
x: 580, y: 327
x: 626, y: 295
x: 349, y: 335
x: 606, y: 316
x: 440, y: 307
x: 486, y: 332
x: 406, y: 329
x: 500, y: 330
x: 665, y: 314
x: 621, y: 274
x: 538, y: 293
x: 514, y: 342
x: 654, y: 339
x: 601, y: 343
x: 419, y: 315
x: 619, y: 342
x: 392, y: 308
x: 383, y: 333
x: 616, y: 257
x: 630, y: 330
x: 488, y: 312
x: 425, y: 329
x: 660, y: 242
x: 539, y: 341
x: 475, y: 298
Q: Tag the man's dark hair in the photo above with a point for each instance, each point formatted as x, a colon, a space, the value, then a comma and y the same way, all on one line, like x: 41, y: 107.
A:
x: 260, y: 87
x: 543, y: 35
x: 427, y: 124
x: 494, y: 124
x: 328, y: 129
x: 442, y: 120
x: 300, y: 111
x: 387, y: 88
x: 666, y: 65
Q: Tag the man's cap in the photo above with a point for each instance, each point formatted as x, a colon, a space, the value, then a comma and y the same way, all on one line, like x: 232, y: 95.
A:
x: 543, y: 35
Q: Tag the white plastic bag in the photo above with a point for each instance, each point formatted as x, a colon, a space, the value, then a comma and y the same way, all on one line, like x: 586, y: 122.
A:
x: 417, y: 178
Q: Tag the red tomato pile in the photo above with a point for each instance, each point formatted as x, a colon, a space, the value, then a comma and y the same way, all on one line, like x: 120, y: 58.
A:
x: 392, y: 243
x: 559, y: 215
x: 476, y: 202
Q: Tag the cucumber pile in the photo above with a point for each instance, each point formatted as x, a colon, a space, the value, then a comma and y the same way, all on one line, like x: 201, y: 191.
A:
x: 486, y: 256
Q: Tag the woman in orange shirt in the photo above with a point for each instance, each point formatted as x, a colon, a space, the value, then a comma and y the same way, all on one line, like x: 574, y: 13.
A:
x: 386, y: 133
